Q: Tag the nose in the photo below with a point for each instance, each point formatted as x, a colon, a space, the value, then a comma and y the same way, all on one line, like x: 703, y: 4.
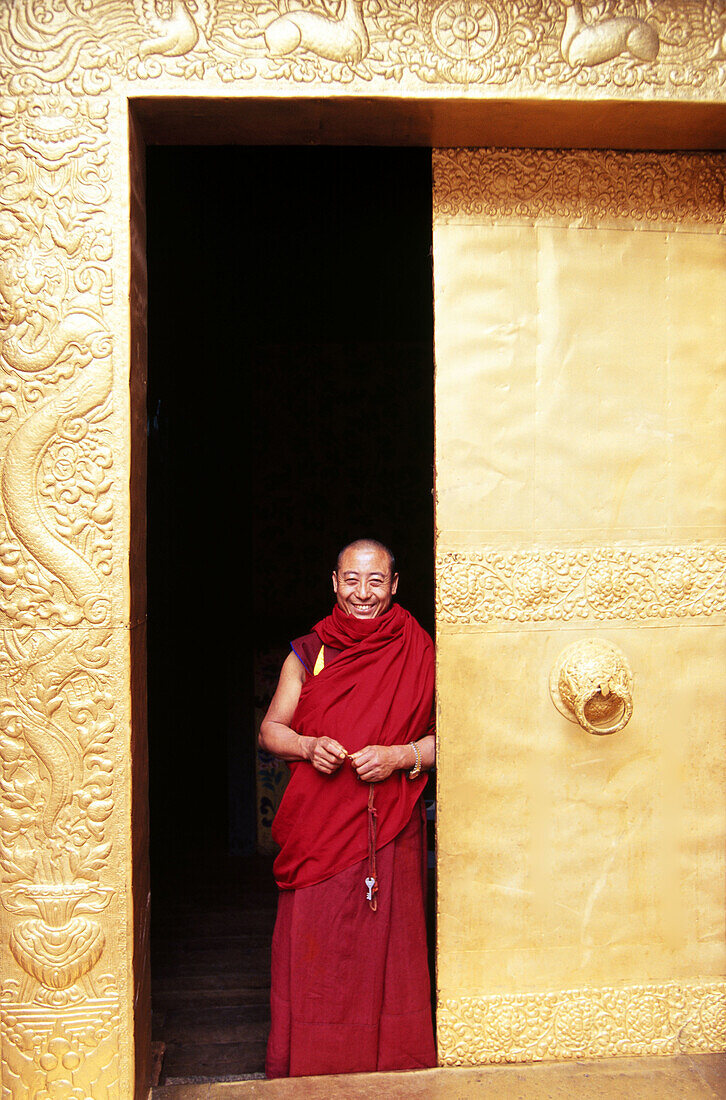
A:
x: 362, y: 589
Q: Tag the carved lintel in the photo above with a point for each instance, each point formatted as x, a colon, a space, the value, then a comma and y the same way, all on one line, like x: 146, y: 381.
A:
x: 625, y: 49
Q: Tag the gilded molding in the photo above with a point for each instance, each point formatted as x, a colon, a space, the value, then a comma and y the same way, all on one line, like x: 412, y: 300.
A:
x: 668, y: 1019
x: 583, y: 584
x: 626, y: 48
x: 586, y: 184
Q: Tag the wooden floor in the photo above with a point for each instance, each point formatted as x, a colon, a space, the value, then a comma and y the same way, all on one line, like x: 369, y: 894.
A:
x: 210, y: 956
x: 687, y: 1077
x: 211, y: 931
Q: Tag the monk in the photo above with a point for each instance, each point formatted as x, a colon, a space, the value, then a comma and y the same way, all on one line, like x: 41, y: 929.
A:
x: 352, y: 714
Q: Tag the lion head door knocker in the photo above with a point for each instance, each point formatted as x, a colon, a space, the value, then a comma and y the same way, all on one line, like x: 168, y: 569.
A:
x: 591, y: 684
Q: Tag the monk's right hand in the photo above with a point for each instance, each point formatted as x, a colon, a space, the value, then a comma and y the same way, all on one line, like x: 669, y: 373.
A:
x: 326, y: 755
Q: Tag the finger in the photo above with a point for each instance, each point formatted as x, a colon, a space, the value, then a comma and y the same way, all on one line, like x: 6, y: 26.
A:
x: 327, y: 762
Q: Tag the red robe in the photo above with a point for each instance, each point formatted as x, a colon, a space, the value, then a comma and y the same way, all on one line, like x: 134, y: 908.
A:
x: 350, y: 986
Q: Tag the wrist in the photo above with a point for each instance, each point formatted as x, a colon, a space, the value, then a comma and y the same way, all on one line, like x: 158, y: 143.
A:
x: 401, y: 754
x: 415, y: 767
x: 405, y: 757
x: 307, y: 746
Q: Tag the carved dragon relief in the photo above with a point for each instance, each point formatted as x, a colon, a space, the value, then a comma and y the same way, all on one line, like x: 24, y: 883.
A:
x: 669, y: 46
x: 56, y: 699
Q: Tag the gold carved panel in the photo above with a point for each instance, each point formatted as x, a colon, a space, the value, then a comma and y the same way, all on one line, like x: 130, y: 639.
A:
x: 672, y: 49
x: 60, y: 575
x: 67, y: 70
x: 593, y: 186
x: 661, y: 1020
x: 581, y: 585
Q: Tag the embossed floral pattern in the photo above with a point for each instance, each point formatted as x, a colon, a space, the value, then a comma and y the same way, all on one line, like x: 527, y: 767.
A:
x: 581, y: 584
x: 534, y: 582
x: 637, y: 1020
x: 587, y: 184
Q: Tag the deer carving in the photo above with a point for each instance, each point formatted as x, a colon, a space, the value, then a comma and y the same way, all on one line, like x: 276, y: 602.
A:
x: 177, y: 25
x: 338, y: 39
x: 592, y: 43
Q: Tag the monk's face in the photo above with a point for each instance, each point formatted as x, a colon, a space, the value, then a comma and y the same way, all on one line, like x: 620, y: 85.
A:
x: 363, y: 583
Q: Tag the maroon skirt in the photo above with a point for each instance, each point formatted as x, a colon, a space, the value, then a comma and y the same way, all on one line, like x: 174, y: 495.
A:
x: 350, y: 987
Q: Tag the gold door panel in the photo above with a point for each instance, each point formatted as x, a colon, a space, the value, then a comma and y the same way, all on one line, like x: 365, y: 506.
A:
x: 581, y: 493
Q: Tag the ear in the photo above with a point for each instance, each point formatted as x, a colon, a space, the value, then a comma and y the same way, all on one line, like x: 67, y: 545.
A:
x: 394, y: 584
x: 335, y: 582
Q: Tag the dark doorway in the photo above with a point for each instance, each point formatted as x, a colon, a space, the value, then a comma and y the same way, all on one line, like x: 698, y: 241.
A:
x: 290, y: 411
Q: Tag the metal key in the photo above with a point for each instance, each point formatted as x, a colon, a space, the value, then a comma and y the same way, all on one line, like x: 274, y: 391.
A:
x: 370, y: 883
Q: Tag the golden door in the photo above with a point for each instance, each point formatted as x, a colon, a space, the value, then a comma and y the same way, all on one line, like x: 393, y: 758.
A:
x: 580, y: 313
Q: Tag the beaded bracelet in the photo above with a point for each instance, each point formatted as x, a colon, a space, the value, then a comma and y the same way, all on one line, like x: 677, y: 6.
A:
x: 416, y: 769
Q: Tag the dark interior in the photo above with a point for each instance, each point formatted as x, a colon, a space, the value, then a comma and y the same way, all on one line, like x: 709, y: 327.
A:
x: 290, y: 411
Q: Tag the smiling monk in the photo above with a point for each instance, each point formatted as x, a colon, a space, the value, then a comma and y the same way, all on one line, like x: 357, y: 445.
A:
x: 352, y: 714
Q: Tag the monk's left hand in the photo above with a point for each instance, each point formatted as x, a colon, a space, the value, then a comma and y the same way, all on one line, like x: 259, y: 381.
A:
x: 375, y: 762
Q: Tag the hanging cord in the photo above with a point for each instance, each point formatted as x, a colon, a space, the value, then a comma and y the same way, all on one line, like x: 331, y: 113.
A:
x: 372, y: 880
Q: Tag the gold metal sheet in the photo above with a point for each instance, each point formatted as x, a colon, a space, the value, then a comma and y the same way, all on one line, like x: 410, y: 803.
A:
x: 595, y: 351
x: 568, y: 859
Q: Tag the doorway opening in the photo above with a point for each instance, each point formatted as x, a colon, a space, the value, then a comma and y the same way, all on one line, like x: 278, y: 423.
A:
x: 290, y: 411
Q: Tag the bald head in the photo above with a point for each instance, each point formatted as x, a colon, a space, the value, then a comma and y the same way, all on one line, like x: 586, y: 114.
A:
x: 365, y: 580
x: 368, y: 544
